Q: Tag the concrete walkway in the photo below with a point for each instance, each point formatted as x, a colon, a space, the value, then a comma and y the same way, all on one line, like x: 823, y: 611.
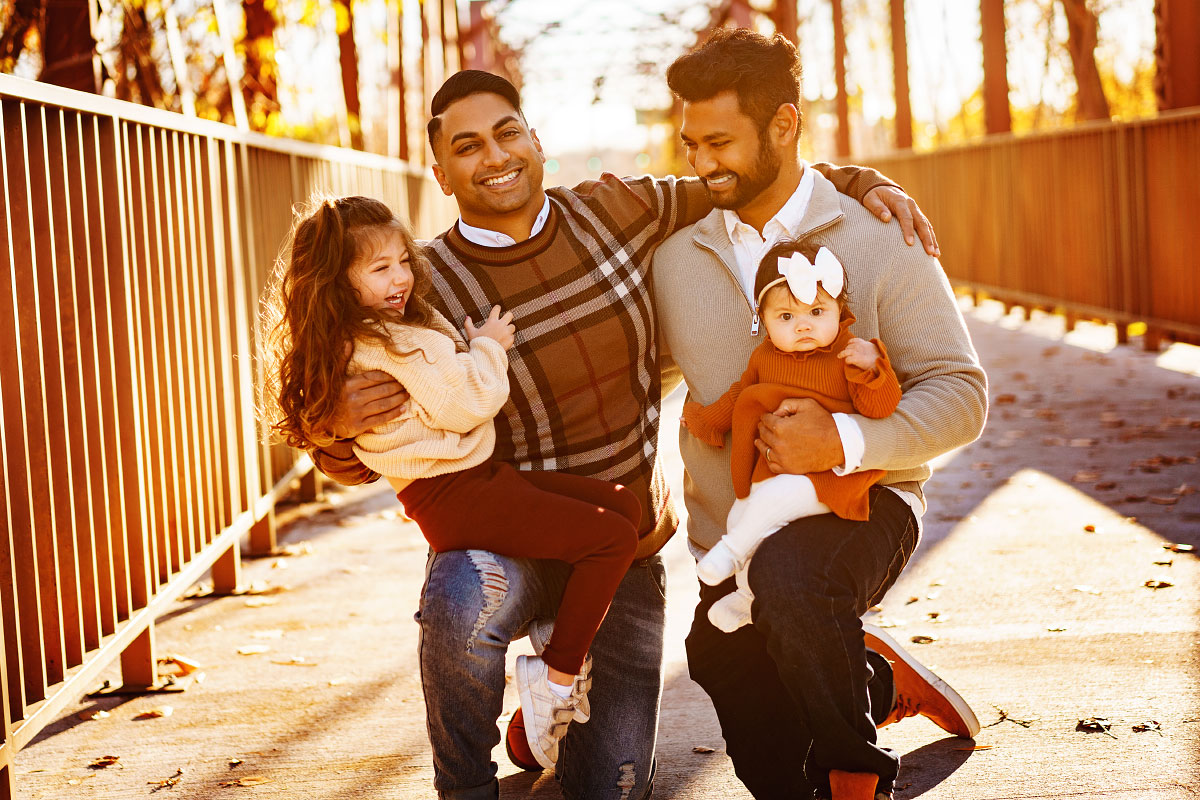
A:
x: 1030, y: 578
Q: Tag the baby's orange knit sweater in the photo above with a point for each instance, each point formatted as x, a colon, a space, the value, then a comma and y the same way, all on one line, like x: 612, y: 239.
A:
x: 773, y: 376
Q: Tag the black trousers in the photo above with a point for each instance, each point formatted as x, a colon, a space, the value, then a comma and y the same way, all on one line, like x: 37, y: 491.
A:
x: 797, y: 692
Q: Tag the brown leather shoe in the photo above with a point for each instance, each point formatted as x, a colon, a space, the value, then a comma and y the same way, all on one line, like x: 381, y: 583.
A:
x: 852, y: 785
x: 919, y: 691
x: 518, y: 746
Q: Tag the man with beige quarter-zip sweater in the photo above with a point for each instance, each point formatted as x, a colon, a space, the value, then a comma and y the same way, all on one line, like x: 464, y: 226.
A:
x: 798, y: 686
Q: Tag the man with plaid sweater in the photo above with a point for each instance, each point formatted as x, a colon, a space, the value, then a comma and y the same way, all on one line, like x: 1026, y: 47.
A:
x: 573, y: 266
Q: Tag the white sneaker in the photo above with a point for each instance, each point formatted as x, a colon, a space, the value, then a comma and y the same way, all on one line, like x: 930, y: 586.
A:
x: 718, y: 564
x: 540, y: 631
x: 546, y: 714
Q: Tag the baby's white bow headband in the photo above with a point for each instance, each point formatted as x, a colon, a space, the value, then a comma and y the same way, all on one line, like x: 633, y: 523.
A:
x: 802, y: 276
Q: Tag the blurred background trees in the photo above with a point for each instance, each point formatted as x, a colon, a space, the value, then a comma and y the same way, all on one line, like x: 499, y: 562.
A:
x: 359, y: 72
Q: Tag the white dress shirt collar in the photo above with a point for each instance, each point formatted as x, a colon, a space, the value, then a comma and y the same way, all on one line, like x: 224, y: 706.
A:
x: 749, y: 246
x: 485, y: 238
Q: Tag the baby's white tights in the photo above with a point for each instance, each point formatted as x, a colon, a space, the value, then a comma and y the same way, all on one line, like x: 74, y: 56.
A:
x: 770, y: 505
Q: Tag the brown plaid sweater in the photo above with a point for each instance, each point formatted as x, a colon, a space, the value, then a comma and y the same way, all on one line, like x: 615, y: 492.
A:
x: 585, y: 386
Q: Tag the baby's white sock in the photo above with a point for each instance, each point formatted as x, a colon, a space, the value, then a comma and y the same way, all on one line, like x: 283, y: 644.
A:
x: 562, y: 691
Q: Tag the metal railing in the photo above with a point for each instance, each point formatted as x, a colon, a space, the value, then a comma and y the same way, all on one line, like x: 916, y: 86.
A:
x: 137, y: 244
x: 1096, y: 221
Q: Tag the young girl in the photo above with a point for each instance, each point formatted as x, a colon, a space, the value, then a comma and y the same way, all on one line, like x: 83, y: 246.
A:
x: 357, y: 283
x: 808, y: 352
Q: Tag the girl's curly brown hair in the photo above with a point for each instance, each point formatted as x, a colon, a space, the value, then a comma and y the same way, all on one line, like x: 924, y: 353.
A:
x: 313, y: 316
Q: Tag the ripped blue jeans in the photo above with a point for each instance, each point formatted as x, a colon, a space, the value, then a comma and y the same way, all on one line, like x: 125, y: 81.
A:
x: 473, y: 604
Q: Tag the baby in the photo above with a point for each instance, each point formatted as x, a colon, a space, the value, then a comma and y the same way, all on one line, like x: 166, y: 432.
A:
x: 801, y: 301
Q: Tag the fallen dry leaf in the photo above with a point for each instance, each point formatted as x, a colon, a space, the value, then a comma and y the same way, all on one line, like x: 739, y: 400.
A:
x: 253, y: 649
x: 700, y: 748
x: 1082, y: 443
x: 1004, y: 717
x: 90, y: 715
x: 104, y: 761
x: 1134, y: 498
x: 976, y: 747
x: 1184, y: 489
x: 1085, y: 476
x: 1005, y: 399
x: 1166, y: 562
x: 1105, y: 486
x: 1148, y: 725
x: 155, y: 713
x: 1086, y: 589
x: 1180, y: 548
x: 1089, y: 528
x: 1163, y: 501
x: 249, y: 780
x: 923, y: 639
x: 181, y: 665
x: 296, y: 549
x: 1056, y: 630
x: 260, y: 602
x: 911, y: 600
x: 168, y: 782
x: 1157, y: 584
x: 262, y: 587
x: 233, y: 762
x: 294, y: 661
x: 199, y: 590
x: 1095, y: 725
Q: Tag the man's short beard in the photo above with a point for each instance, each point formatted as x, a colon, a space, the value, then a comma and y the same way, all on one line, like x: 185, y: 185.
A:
x: 753, y: 183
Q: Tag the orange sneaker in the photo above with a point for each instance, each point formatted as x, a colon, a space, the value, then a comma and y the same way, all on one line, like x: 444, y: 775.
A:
x: 919, y: 691
x: 852, y: 785
x: 517, y: 744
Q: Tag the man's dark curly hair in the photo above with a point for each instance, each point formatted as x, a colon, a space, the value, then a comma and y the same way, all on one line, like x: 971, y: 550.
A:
x: 765, y: 73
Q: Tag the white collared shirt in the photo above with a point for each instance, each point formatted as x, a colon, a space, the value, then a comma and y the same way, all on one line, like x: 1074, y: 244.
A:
x: 749, y: 246
x: 485, y: 238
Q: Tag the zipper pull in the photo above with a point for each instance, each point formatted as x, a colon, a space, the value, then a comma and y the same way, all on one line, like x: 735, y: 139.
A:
x: 754, y: 325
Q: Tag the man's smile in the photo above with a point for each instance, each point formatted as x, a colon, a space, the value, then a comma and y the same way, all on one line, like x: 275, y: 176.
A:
x: 502, y: 180
x: 720, y: 181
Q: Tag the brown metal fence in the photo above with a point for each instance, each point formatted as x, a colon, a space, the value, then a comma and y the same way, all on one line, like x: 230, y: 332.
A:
x: 138, y: 242
x: 1096, y: 221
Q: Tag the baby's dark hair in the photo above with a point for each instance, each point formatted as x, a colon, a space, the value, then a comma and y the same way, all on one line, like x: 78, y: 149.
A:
x: 768, y: 270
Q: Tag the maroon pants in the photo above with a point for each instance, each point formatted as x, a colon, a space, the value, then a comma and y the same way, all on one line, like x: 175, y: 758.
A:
x: 590, y: 524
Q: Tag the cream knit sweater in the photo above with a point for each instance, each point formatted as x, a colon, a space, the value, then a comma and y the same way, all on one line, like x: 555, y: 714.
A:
x: 897, y: 293
x: 448, y: 424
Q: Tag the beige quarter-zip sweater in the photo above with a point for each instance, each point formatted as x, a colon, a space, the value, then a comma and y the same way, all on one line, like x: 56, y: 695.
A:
x: 897, y: 294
